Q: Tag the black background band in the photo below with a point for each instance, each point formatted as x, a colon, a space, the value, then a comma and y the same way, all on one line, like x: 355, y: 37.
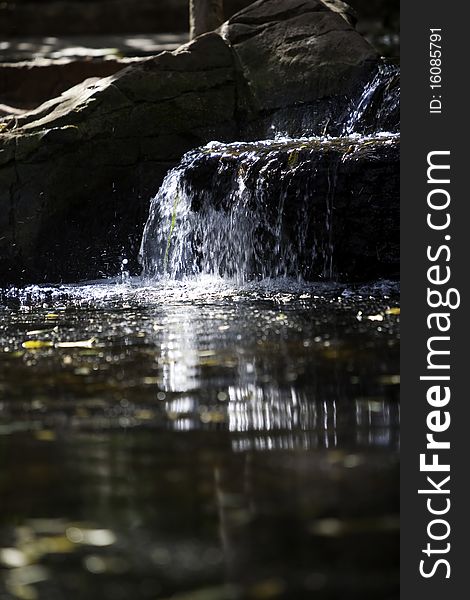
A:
x: 422, y: 133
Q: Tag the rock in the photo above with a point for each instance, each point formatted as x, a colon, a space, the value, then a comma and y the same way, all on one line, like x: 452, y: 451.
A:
x: 35, y: 69
x: 292, y: 53
x: 78, y: 172
x: 205, y: 16
x: 29, y: 84
x: 348, y: 13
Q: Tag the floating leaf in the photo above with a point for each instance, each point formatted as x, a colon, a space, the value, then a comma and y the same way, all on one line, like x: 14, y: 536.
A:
x: 40, y: 331
x: 12, y: 557
x: 206, y: 353
x: 78, y: 344
x: 36, y: 344
x: 144, y: 415
x: 45, y: 435
x: 92, y: 537
x: 52, y: 316
x: 393, y: 311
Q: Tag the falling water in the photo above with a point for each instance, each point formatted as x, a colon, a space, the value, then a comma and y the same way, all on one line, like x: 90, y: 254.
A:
x: 277, y: 209
x: 378, y: 106
x: 214, y: 215
x: 270, y: 208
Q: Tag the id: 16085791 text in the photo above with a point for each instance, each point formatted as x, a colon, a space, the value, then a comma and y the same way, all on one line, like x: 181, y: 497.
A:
x: 435, y: 71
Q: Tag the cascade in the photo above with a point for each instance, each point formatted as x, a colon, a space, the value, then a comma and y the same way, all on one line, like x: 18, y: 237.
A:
x: 286, y: 207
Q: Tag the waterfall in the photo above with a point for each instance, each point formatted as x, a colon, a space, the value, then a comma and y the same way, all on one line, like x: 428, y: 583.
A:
x: 378, y: 106
x: 284, y: 207
x: 225, y: 211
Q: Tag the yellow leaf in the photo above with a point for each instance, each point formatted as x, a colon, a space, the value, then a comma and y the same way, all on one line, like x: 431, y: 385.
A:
x: 36, y: 344
x: 393, y: 311
x: 45, y: 435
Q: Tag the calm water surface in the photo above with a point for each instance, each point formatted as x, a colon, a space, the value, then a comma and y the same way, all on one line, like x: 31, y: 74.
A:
x: 198, y: 440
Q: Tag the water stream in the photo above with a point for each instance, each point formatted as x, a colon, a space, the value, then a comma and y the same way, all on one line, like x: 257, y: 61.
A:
x: 221, y: 427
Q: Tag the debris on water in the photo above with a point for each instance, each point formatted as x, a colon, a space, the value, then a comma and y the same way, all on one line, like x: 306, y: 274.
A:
x: 379, y: 317
x: 42, y: 331
x: 77, y: 344
x: 36, y: 344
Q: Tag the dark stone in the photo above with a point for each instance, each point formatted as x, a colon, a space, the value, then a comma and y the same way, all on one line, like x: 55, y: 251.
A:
x: 77, y: 173
x: 293, y: 53
x: 29, y: 84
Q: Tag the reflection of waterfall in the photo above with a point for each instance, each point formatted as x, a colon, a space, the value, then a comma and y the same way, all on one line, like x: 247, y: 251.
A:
x: 272, y: 418
x: 179, y: 356
x: 259, y: 411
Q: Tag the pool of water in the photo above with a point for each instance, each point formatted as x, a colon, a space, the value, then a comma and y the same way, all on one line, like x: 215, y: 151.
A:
x: 199, y: 440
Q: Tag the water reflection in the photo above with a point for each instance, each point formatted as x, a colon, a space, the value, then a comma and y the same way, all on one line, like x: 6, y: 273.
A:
x: 238, y: 445
x: 179, y: 357
x: 273, y: 413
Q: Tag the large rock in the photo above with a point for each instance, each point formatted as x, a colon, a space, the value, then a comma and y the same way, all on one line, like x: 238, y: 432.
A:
x: 77, y: 174
x: 26, y: 85
x: 317, y: 56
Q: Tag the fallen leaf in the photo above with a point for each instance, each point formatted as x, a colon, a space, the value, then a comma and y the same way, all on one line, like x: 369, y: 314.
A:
x: 40, y: 331
x: 45, y: 435
x: 78, y: 344
x: 36, y: 344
